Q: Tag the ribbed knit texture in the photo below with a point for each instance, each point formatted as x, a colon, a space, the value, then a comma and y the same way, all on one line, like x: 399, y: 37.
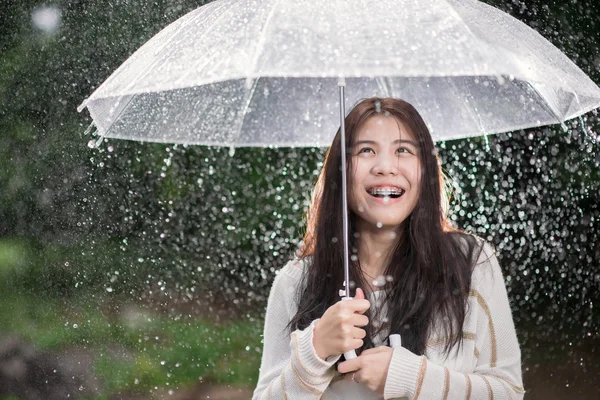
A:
x: 402, y: 374
x: 487, y: 366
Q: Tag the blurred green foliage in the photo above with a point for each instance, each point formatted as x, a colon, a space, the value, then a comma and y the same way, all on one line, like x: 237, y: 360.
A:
x: 135, y: 348
x: 83, y: 231
x: 82, y: 213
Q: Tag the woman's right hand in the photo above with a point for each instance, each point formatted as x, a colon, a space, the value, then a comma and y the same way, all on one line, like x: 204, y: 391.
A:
x: 338, y: 330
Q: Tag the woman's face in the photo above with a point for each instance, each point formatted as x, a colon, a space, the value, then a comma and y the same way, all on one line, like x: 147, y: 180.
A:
x: 386, y: 176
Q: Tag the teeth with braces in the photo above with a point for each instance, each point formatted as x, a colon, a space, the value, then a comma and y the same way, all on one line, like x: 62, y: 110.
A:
x: 386, y: 191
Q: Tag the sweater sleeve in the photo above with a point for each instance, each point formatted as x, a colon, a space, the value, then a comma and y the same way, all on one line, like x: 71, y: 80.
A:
x: 290, y: 367
x: 497, y: 372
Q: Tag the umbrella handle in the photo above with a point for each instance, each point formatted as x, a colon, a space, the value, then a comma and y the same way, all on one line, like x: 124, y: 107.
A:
x: 346, y: 291
x: 349, y: 354
x: 395, y: 341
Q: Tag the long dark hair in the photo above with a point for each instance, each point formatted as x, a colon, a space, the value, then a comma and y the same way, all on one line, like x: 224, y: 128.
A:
x: 430, y: 265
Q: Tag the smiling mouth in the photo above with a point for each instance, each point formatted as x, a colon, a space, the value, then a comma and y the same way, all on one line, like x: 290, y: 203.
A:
x: 382, y: 192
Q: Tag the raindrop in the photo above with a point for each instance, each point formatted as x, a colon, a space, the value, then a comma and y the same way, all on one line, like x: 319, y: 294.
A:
x: 379, y: 281
x: 597, y: 62
x: 377, y: 106
x: 46, y: 18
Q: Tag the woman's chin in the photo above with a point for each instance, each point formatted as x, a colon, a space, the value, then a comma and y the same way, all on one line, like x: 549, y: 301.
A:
x: 384, y: 222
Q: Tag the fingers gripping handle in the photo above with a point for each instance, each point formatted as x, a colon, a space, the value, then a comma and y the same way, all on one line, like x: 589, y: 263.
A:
x: 349, y: 354
x: 395, y: 339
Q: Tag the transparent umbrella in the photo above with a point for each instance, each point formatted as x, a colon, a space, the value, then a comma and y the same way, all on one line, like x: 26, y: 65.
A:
x: 246, y: 73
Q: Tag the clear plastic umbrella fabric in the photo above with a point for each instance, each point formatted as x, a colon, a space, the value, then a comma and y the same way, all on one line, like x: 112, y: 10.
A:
x: 247, y: 73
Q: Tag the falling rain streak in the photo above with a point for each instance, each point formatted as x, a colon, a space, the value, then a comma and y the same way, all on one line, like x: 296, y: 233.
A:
x: 149, y: 265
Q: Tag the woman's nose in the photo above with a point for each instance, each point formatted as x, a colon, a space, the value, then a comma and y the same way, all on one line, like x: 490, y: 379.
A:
x: 385, y: 165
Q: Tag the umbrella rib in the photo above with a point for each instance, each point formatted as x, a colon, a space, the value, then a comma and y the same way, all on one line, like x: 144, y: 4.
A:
x: 157, y: 60
x: 250, y: 93
x: 243, y: 111
x: 148, y: 69
x: 476, y: 118
x: 546, y: 104
x: 534, y: 53
x: 384, y: 85
x: 105, y: 133
x: 262, y: 39
x: 474, y: 37
x: 202, y: 62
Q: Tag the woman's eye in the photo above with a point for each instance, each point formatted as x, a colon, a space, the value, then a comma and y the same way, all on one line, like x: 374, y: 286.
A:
x: 365, y: 150
x: 403, y: 150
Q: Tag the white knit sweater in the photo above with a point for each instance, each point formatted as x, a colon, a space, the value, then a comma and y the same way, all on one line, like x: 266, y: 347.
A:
x: 487, y: 366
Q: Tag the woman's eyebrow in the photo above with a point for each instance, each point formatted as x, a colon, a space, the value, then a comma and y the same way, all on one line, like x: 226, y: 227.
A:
x: 411, y: 142
x: 371, y: 142
x: 398, y: 141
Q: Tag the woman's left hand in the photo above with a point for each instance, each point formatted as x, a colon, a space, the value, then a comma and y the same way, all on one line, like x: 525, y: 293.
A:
x: 370, y: 368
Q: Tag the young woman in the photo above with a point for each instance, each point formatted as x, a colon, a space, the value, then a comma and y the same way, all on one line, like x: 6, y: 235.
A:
x: 441, y: 289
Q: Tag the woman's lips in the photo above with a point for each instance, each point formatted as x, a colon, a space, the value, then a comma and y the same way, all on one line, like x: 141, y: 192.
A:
x: 385, y: 193
x: 385, y: 190
x: 386, y: 200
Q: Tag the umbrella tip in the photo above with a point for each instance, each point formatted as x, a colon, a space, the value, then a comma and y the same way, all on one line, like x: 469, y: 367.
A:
x: 231, y: 151
x: 82, y: 106
x: 564, y: 126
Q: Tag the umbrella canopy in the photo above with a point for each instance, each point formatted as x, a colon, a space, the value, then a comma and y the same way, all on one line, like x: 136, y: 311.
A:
x: 247, y: 73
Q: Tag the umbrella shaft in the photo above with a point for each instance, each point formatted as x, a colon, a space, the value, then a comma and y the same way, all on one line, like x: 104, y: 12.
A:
x: 341, y: 85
